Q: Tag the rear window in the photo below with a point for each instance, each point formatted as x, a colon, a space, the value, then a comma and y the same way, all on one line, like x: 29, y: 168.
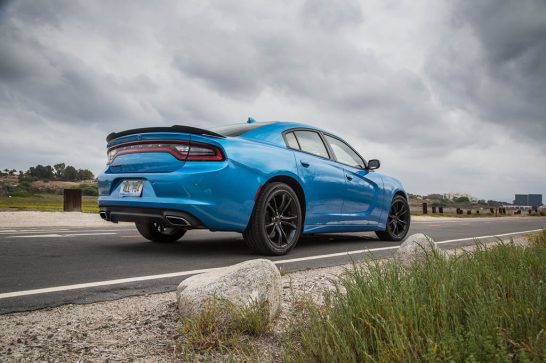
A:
x: 310, y: 142
x: 237, y: 129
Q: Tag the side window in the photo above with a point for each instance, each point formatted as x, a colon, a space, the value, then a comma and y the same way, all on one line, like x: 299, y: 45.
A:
x: 311, y: 142
x: 291, y: 141
x: 343, y: 152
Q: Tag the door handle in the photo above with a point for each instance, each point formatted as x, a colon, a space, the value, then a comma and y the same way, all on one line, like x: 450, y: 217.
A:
x: 305, y: 164
x: 348, y: 177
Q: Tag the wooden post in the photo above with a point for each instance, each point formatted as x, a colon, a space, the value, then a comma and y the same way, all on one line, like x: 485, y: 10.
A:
x: 433, y: 210
x: 425, y: 209
x: 72, y: 200
x: 468, y: 212
x: 441, y: 210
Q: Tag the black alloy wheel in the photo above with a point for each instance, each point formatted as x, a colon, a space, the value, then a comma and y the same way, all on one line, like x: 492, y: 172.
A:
x: 276, y: 223
x: 398, y: 221
x: 157, y: 232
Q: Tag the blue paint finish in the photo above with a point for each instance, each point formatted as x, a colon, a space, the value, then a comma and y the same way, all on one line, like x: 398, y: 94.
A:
x: 145, y: 163
x: 323, y: 182
x: 338, y: 198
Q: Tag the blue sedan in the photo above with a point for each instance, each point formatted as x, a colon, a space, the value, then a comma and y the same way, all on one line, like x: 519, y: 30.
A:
x: 271, y: 181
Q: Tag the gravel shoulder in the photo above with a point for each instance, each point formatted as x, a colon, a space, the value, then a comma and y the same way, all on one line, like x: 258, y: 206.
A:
x: 142, y: 328
x: 26, y: 219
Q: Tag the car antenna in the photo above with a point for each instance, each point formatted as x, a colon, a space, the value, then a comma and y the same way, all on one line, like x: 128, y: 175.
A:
x: 250, y: 120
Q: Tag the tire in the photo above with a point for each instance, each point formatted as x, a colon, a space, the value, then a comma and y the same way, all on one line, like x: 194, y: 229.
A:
x: 155, y: 232
x: 398, y: 221
x: 276, y: 222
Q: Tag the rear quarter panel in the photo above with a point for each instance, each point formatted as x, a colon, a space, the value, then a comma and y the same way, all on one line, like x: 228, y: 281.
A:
x: 250, y: 164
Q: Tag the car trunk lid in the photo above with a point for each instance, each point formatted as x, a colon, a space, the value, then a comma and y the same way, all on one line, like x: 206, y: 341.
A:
x: 159, y: 149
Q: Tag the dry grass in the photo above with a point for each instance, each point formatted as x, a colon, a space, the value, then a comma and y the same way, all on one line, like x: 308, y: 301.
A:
x: 226, y: 332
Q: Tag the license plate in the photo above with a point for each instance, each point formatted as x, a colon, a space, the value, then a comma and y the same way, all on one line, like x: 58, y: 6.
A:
x: 131, y: 188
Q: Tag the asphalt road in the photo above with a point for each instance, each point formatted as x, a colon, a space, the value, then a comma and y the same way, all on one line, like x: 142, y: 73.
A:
x: 49, y: 266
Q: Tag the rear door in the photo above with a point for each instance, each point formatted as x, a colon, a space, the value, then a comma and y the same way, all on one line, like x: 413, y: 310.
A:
x: 363, y: 187
x: 324, y: 179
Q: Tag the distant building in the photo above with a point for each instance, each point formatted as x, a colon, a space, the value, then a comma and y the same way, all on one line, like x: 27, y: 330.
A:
x: 531, y: 200
x: 535, y: 200
x: 521, y: 199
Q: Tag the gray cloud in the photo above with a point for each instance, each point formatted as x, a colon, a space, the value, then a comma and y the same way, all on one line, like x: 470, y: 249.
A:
x: 422, y: 86
x: 494, y: 64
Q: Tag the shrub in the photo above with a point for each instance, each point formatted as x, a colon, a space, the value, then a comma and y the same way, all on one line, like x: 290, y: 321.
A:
x: 89, y: 189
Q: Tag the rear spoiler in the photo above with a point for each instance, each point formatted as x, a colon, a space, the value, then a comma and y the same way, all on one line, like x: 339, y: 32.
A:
x: 175, y: 128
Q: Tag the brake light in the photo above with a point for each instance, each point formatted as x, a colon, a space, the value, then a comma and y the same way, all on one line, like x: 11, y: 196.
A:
x: 182, y: 150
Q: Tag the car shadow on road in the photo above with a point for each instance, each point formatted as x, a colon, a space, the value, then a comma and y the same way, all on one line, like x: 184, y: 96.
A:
x: 210, y: 245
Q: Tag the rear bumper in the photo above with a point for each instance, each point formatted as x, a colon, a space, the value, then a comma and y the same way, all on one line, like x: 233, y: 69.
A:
x: 171, y: 218
x: 220, y: 195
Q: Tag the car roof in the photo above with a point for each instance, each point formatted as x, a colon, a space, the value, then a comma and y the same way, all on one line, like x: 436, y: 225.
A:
x: 271, y: 132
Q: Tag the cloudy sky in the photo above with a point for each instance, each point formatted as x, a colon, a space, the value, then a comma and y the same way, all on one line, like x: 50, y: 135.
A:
x: 449, y: 95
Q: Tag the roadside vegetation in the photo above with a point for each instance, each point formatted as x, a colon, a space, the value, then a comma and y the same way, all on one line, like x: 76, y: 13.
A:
x: 46, y: 179
x: 43, y: 203
x: 487, y: 305
x: 484, y: 305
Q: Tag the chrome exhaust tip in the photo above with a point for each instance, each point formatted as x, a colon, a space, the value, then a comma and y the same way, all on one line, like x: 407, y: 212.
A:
x: 177, y: 221
x: 103, y: 215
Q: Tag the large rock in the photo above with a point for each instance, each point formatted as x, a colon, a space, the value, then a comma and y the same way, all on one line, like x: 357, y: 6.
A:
x: 416, y: 247
x: 254, y: 281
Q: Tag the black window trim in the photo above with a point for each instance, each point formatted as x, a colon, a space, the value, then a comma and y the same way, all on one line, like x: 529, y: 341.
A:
x: 331, y: 154
x: 326, y: 146
x: 350, y: 147
x: 295, y: 137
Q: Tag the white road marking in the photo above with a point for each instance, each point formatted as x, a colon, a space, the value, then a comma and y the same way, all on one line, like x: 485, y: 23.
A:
x: 104, y: 283
x: 34, y: 230
x: 477, y: 219
x: 54, y: 230
x: 62, y: 235
x: 193, y: 272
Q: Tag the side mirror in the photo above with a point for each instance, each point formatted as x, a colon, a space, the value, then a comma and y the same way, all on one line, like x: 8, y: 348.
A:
x: 373, y: 164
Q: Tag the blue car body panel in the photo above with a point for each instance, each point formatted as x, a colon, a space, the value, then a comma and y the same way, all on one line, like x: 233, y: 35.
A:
x: 221, y: 194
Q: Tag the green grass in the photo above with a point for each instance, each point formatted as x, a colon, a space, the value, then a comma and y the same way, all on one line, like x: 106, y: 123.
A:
x: 488, y: 305
x: 44, y: 203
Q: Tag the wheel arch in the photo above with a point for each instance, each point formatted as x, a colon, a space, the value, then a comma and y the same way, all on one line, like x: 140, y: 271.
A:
x: 296, y: 186
x: 400, y: 192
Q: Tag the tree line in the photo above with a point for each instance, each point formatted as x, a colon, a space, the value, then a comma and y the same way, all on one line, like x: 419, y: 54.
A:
x: 59, y: 171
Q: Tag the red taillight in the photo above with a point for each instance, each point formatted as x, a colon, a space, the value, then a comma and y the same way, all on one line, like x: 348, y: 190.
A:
x: 182, y: 150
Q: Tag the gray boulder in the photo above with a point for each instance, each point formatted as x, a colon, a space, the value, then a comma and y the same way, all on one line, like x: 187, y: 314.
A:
x: 416, y: 247
x: 254, y: 281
